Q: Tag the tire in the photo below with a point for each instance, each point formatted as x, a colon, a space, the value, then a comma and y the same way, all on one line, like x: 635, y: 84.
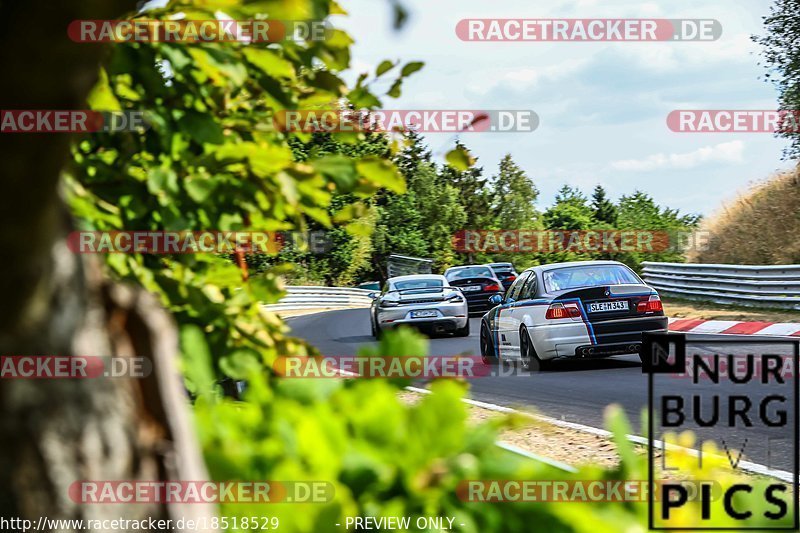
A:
x: 376, y: 331
x: 487, y: 346
x: 529, y: 360
x: 463, y: 332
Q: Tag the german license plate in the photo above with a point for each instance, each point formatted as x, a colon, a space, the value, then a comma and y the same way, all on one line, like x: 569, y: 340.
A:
x: 471, y: 288
x: 423, y: 314
x: 616, y: 305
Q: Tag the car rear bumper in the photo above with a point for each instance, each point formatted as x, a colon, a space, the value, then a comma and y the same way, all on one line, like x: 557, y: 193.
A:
x: 429, y: 324
x: 448, y: 313
x: 607, y: 350
x: 480, y: 302
x: 570, y: 339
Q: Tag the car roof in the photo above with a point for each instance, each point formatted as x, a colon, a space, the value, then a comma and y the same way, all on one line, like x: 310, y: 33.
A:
x: 417, y: 276
x: 467, y: 266
x: 509, y: 265
x: 555, y: 266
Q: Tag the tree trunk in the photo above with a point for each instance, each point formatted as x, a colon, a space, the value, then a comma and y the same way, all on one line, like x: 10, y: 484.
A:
x: 56, y: 432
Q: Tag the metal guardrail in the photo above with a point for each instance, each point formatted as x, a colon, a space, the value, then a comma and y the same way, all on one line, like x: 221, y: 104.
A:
x: 318, y: 297
x: 403, y: 265
x: 747, y: 285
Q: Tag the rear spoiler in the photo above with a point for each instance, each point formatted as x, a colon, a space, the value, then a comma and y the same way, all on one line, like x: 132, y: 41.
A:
x: 423, y: 289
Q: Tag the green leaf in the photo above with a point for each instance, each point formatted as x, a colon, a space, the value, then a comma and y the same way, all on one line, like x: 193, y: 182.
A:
x: 618, y: 424
x: 394, y: 90
x: 270, y: 63
x: 384, y: 67
x: 269, y: 159
x: 201, y: 127
x: 338, y: 168
x: 161, y: 180
x: 362, y: 98
x: 199, y: 189
x: 240, y: 364
x: 460, y: 159
x: 102, y: 97
x: 411, y: 68
x: 349, y: 212
x: 196, y: 360
x: 383, y: 173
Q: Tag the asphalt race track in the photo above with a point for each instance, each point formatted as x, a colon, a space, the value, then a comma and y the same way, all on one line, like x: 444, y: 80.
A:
x: 572, y: 390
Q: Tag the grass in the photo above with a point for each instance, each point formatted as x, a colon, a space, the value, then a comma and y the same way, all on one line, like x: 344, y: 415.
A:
x: 759, y: 227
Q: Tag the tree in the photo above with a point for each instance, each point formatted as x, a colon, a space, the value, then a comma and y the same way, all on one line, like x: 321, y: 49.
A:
x: 513, y: 197
x: 604, y: 209
x: 473, y: 189
x: 639, y: 212
x: 441, y: 212
x: 570, y: 211
x: 348, y: 246
x: 422, y: 221
x: 414, y: 153
x: 55, y: 432
x: 781, y: 52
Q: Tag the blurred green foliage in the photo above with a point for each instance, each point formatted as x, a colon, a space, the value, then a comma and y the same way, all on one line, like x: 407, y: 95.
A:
x: 211, y: 160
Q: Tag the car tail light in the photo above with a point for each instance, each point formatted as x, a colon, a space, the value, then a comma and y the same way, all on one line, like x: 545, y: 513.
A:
x: 651, y: 305
x: 511, y: 278
x: 556, y: 311
x: 492, y: 287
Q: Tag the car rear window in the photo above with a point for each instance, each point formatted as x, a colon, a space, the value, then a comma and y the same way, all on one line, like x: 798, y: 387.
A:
x: 586, y: 276
x: 470, y: 272
x: 418, y: 284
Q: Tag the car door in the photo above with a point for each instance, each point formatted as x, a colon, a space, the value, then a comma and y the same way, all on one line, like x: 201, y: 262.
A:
x: 507, y: 336
x: 519, y: 310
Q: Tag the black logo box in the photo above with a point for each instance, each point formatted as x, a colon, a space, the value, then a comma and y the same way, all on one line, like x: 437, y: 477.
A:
x: 657, y: 360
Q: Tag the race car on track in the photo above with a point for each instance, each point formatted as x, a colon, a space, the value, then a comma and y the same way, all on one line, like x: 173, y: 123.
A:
x: 478, y: 282
x: 425, y: 301
x: 505, y: 273
x: 583, y: 309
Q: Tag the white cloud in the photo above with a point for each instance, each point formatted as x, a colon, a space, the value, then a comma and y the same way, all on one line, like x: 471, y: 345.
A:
x: 525, y: 78
x: 671, y: 57
x: 729, y: 152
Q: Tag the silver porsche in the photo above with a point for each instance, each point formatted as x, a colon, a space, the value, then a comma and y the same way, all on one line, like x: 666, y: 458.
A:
x: 424, y: 301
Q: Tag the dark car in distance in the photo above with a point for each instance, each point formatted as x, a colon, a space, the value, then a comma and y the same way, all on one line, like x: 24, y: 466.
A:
x: 505, y: 273
x: 478, y: 283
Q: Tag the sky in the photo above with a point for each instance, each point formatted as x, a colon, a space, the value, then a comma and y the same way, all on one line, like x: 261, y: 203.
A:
x: 602, y: 106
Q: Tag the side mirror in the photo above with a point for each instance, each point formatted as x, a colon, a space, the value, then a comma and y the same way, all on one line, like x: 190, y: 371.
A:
x: 495, y: 299
x: 373, y: 295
